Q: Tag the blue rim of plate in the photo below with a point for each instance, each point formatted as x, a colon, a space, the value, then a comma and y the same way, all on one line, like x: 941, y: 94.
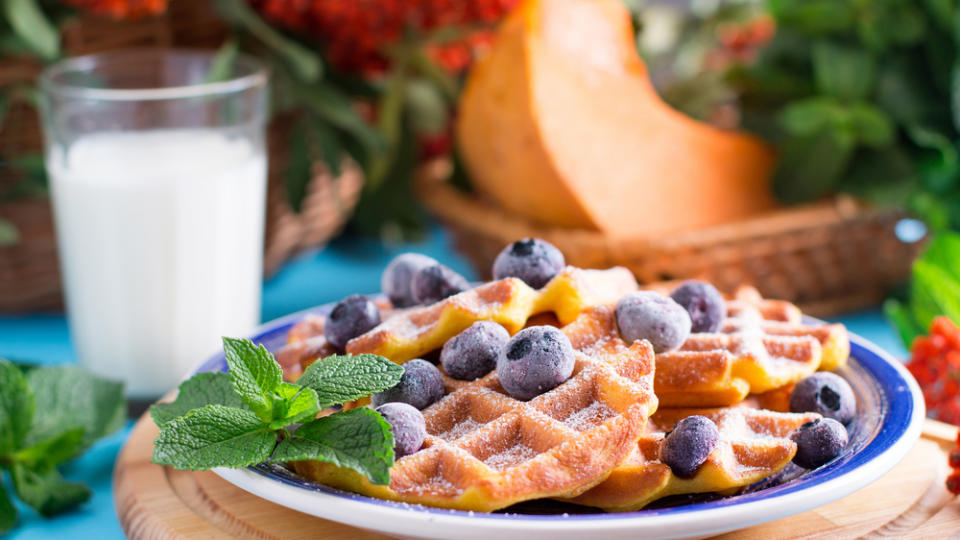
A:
x: 873, y: 437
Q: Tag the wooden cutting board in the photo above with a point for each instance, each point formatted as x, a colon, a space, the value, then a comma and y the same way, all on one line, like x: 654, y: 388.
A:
x: 159, y: 502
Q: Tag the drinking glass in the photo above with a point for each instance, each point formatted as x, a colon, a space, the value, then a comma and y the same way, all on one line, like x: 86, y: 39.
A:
x: 157, y: 175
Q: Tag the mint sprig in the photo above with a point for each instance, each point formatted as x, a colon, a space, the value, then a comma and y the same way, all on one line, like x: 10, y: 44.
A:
x: 47, y: 417
x: 248, y: 415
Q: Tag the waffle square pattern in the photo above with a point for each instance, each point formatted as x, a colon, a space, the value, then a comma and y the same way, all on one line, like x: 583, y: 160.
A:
x: 486, y: 450
x: 762, y: 345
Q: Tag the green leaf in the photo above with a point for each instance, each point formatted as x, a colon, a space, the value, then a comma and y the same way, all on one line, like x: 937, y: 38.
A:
x: 17, y: 406
x: 342, y: 378
x: 814, y: 16
x: 943, y: 251
x: 31, y: 25
x: 295, y: 404
x: 214, y: 436
x: 304, y: 62
x: 808, y: 116
x: 899, y: 315
x: 811, y: 166
x: 870, y: 125
x: 69, y: 396
x: 213, y: 388
x: 843, y: 72
x: 359, y: 439
x: 933, y: 292
x: 221, y: 67
x: 46, y: 491
x: 53, y: 451
x: 255, y: 374
x: 8, y: 512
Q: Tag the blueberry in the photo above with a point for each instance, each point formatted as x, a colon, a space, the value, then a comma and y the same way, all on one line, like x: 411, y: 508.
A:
x: 827, y: 394
x: 535, y: 360
x: 420, y: 385
x: 654, y: 317
x: 704, y: 304
x: 352, y: 316
x: 531, y: 259
x: 686, y: 447
x: 398, y: 275
x: 818, y: 442
x: 435, y: 282
x: 471, y: 354
x: 407, y: 425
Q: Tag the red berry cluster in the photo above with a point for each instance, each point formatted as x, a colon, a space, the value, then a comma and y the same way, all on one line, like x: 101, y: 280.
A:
x: 121, y: 9
x: 935, y: 363
x: 356, y: 34
x: 953, y: 481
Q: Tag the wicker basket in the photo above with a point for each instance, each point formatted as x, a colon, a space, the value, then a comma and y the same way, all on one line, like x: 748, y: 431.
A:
x: 29, y: 277
x: 830, y: 257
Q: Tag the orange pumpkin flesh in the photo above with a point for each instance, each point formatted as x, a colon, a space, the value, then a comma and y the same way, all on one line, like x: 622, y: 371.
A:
x: 561, y: 124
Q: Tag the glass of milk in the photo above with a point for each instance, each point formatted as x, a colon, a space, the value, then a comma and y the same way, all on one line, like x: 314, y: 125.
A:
x: 158, y: 178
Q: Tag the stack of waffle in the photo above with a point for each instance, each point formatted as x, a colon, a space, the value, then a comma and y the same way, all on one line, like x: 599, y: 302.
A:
x: 595, y: 439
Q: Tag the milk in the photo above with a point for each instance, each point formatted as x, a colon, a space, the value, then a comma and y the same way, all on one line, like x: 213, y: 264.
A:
x: 161, y: 236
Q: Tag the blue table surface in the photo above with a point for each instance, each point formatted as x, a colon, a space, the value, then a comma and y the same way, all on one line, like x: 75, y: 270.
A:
x: 346, y: 266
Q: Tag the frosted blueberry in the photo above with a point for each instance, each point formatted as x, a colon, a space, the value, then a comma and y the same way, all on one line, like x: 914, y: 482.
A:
x: 352, y: 316
x: 824, y: 393
x: 420, y: 386
x: 654, y: 317
x: 435, y: 282
x: 532, y: 260
x: 407, y: 425
x: 397, y: 277
x: 704, y: 304
x: 818, y: 442
x: 535, y: 360
x: 686, y: 447
x: 471, y: 354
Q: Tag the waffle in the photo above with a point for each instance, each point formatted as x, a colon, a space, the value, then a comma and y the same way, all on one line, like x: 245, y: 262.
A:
x: 754, y: 444
x: 486, y: 450
x: 763, y: 345
x: 509, y: 302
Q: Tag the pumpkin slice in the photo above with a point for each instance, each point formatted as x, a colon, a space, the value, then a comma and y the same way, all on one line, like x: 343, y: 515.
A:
x: 560, y: 123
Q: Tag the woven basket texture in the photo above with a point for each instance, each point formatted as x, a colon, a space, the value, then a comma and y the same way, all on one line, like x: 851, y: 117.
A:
x: 834, y: 256
x: 29, y: 276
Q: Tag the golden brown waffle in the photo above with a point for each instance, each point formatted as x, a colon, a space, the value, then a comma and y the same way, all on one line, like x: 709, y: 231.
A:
x: 486, y: 450
x: 410, y: 333
x: 754, y: 444
x: 509, y: 302
x: 762, y: 345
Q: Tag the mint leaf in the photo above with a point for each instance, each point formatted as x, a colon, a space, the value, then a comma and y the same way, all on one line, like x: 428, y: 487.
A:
x: 255, y: 374
x: 214, y: 436
x: 295, y: 404
x: 213, y: 388
x: 8, y: 513
x: 70, y: 396
x: 341, y: 378
x: 359, y: 439
x: 16, y: 407
x: 46, y: 491
x: 53, y: 451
